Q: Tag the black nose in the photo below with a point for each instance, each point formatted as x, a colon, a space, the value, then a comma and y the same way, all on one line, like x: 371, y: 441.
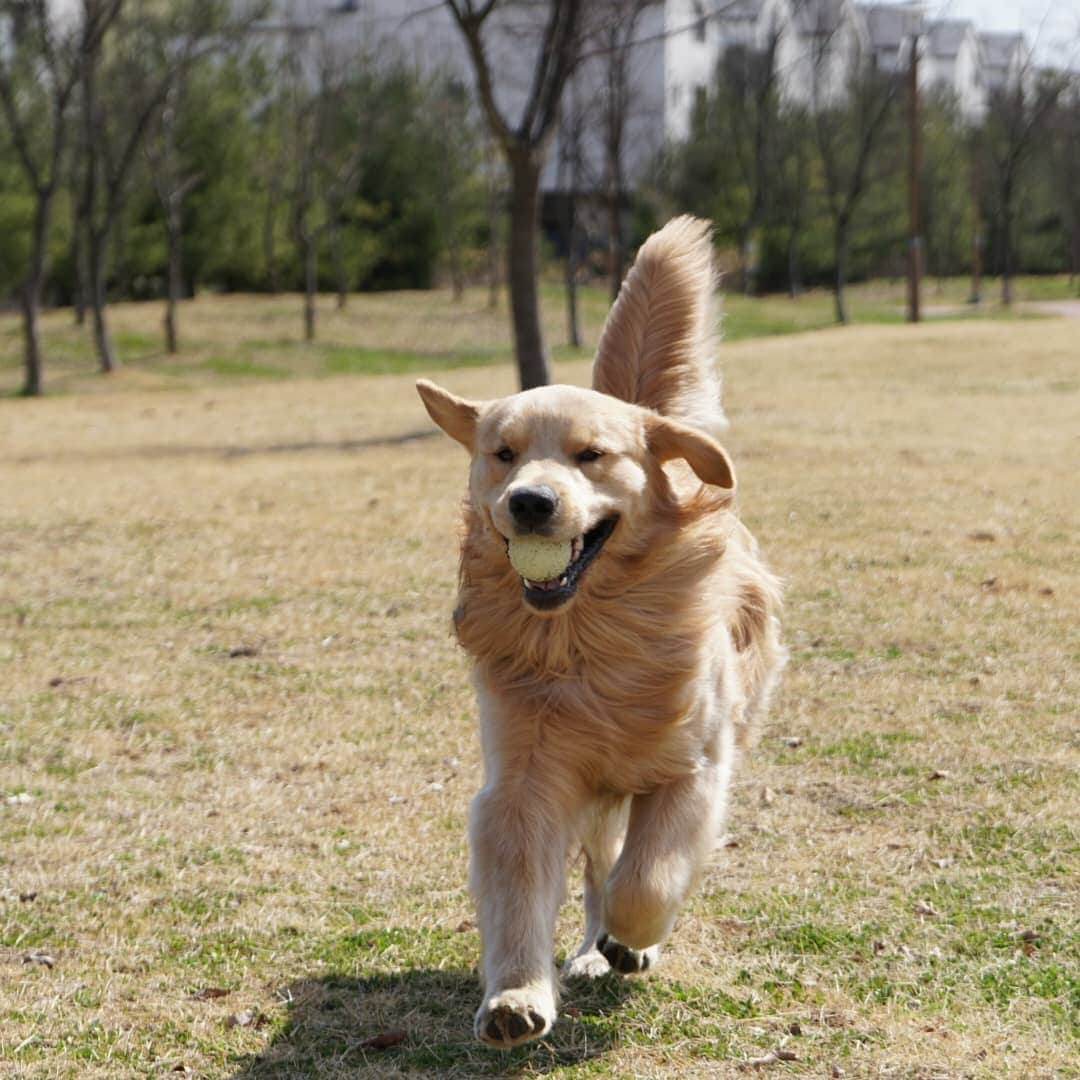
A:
x: 532, y: 507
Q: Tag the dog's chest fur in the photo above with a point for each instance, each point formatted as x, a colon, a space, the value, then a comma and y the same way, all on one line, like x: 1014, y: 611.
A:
x: 626, y: 676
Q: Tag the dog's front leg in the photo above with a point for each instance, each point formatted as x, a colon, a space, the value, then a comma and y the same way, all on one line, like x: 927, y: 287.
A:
x: 519, y: 839
x: 669, y: 838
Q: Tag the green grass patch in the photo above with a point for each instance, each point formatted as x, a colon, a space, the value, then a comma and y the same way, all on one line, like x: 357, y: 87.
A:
x: 358, y: 361
x: 244, y: 367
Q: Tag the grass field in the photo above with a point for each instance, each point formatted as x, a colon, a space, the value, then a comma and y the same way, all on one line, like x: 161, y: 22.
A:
x: 237, y: 742
x: 243, y: 338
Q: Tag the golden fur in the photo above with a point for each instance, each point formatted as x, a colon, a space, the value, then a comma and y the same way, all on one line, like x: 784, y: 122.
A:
x: 610, y: 723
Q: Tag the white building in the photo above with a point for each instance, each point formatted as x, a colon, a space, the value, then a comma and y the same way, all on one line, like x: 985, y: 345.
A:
x: 1005, y: 60
x: 952, y: 59
x: 677, y: 45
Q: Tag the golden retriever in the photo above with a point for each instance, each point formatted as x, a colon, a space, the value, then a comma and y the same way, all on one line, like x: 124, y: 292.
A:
x: 613, y: 698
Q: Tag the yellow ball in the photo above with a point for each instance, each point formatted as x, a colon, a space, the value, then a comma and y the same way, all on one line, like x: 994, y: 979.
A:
x: 538, y: 559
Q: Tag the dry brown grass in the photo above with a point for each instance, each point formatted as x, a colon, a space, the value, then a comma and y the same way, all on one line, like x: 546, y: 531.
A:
x: 236, y: 741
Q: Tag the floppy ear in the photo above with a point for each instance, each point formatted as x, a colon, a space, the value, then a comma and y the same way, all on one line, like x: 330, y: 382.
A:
x: 669, y: 439
x: 456, y: 416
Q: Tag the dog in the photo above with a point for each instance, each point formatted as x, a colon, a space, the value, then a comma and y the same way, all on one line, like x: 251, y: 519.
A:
x: 615, y: 698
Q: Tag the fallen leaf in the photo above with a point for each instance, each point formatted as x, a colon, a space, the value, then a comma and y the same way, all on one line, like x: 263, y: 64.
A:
x: 771, y: 1058
x: 247, y: 1018
x: 384, y: 1041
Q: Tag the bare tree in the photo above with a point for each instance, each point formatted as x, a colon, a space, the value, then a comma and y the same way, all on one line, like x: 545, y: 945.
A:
x: 1065, y: 159
x: 848, y: 132
x: 322, y: 149
x: 172, y: 183
x: 570, y: 182
x: 494, y: 186
x: 790, y: 153
x: 613, y: 33
x: 749, y: 113
x: 524, y: 143
x: 41, y: 62
x: 122, y: 91
x: 456, y: 138
x: 1017, y: 115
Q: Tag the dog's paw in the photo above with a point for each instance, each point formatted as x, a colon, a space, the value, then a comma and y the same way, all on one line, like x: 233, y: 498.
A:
x: 514, y: 1017
x: 624, y: 959
x: 587, y: 965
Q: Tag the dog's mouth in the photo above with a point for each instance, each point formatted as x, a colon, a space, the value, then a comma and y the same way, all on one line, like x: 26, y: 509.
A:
x: 548, y: 595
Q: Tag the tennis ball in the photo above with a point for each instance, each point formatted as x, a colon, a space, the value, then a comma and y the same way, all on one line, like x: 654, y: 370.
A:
x: 538, y: 559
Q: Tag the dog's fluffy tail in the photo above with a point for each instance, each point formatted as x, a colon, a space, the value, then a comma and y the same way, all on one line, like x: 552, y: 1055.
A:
x: 659, y: 342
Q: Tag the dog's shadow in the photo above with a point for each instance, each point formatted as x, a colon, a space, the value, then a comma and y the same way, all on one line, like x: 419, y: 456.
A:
x: 420, y: 1022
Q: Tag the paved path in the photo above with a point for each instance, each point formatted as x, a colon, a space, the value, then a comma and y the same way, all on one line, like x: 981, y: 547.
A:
x: 1070, y: 309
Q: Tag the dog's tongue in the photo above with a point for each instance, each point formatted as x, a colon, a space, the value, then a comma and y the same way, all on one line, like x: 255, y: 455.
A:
x: 553, y: 583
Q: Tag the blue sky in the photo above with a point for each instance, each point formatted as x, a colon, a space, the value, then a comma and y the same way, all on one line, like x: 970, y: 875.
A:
x: 1053, y: 26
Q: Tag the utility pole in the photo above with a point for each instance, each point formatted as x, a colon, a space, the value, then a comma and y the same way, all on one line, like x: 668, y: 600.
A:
x: 914, y: 182
x: 977, y: 229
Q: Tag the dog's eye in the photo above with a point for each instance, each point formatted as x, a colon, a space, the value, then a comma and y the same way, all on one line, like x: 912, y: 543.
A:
x: 589, y: 455
x: 505, y: 454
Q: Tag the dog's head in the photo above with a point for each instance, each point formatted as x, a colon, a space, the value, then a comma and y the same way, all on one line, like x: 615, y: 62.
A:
x: 573, y: 465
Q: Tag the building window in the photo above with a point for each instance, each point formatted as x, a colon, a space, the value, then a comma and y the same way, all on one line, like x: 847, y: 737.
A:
x: 699, y: 21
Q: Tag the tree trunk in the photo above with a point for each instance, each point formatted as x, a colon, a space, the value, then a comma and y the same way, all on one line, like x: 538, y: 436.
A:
x: 34, y: 384
x: 794, y: 273
x: 841, y: 253
x: 616, y: 250
x: 311, y: 284
x: 175, y: 280
x: 273, y: 282
x: 457, y: 277
x: 82, y: 272
x: 532, y: 359
x: 172, y: 345
x: 747, y: 257
x: 102, y: 339
x: 494, y: 211
x: 1006, y: 248
x: 31, y: 297
x: 573, y: 325
x: 340, y: 277
x: 1074, y: 274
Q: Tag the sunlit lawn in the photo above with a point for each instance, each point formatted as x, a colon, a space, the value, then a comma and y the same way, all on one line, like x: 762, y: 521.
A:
x: 260, y: 336
x: 237, y: 742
